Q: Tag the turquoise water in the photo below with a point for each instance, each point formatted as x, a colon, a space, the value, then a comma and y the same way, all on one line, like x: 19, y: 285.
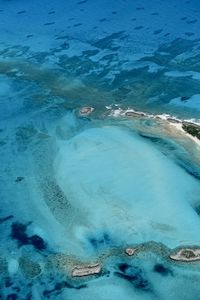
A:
x: 81, y: 189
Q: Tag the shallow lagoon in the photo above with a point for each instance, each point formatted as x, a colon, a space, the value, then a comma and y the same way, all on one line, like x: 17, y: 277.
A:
x: 80, y: 189
x: 90, y: 188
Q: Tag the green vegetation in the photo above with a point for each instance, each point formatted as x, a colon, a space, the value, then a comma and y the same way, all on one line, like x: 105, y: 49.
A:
x: 192, y: 129
x: 188, y: 253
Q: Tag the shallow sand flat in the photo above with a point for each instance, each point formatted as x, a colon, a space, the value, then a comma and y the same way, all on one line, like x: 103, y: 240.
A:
x: 115, y: 199
x: 119, y: 209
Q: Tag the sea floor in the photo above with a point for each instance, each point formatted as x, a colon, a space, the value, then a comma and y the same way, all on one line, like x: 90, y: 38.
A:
x: 79, y: 189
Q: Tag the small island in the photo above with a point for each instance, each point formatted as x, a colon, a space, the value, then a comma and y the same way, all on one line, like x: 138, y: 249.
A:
x: 133, y: 113
x: 186, y: 255
x: 130, y: 251
x: 86, y: 270
x: 84, y: 111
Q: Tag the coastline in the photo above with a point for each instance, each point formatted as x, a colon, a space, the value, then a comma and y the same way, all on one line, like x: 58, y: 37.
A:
x: 178, y: 124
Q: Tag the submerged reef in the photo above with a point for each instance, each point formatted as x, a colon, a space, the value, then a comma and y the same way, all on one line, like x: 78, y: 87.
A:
x: 58, y: 273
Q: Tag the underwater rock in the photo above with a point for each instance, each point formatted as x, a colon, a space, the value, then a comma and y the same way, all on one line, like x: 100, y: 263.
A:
x: 80, y: 271
x: 186, y: 255
x: 84, y: 111
x: 130, y: 251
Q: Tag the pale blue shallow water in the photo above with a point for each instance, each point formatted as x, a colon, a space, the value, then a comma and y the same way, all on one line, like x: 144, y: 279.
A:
x: 80, y: 189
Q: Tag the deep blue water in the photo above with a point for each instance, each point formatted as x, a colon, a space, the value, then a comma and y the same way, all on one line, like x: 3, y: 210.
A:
x: 80, y: 189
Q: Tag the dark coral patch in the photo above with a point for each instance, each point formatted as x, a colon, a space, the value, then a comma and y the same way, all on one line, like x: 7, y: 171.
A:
x: 103, y: 20
x: 134, y: 275
x: 2, y: 220
x: 140, y: 8
x: 158, y: 31
x: 137, y: 280
x: 18, y: 233
x: 99, y: 242
x: 19, y: 178
x: 78, y: 24
x: 192, y: 21
x: 123, y: 267
x: 8, y: 282
x: 37, y: 242
x: 189, y: 33
x: 138, y: 27
x: 59, y: 286
x: 161, y: 269
x: 49, y: 23
x: 82, y: 2
x: 185, y: 98
x: 11, y: 297
x: 21, y: 12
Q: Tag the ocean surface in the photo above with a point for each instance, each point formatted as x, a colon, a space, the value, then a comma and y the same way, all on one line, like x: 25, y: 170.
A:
x: 79, y: 189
